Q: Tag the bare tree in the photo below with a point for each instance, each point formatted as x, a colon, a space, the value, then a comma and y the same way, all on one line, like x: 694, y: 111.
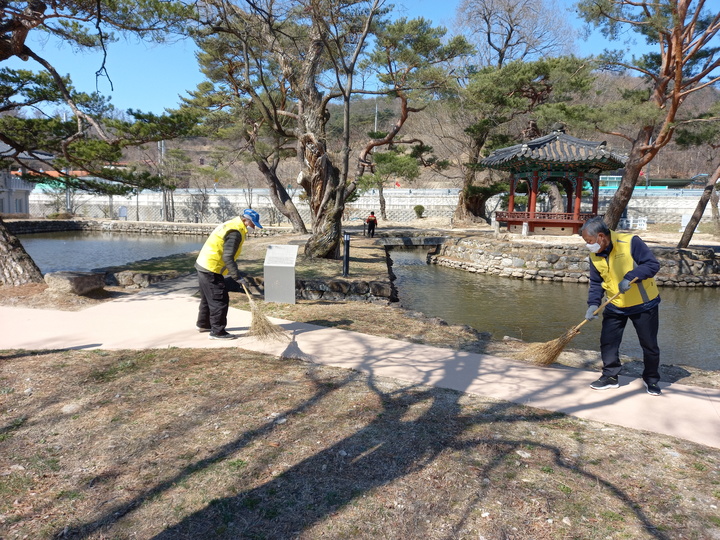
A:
x: 706, y: 136
x: 507, y: 30
x: 705, y: 198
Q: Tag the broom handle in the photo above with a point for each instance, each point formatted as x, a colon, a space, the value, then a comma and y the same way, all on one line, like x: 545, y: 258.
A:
x: 605, y: 303
x: 250, y: 300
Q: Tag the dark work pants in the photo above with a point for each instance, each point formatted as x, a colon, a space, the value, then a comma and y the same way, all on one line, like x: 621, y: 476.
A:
x: 371, y: 230
x: 214, y: 302
x: 646, y: 326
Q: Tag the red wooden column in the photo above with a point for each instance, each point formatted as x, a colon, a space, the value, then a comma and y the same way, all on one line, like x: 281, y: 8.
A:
x: 578, y: 196
x: 533, y: 194
x: 596, y: 195
x: 511, y: 199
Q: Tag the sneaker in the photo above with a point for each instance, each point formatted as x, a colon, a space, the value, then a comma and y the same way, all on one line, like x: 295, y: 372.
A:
x: 224, y: 335
x: 202, y: 329
x: 652, y: 388
x: 603, y: 383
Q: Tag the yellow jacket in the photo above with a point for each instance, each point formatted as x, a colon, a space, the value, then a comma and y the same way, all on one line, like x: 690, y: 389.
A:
x: 614, y: 268
x: 211, y: 254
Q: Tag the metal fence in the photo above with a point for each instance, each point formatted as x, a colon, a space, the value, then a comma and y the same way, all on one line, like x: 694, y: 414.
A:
x: 657, y: 206
x: 217, y: 206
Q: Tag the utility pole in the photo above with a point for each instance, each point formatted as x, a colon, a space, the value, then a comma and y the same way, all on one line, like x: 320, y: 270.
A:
x: 376, y: 113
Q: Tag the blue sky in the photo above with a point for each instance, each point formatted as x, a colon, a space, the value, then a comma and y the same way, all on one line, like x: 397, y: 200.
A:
x: 151, y: 77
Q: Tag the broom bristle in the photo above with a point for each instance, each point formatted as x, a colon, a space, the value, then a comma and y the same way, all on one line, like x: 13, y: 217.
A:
x: 545, y: 354
x: 260, y: 326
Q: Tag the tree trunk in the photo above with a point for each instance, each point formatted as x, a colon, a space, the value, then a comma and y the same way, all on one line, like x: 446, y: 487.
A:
x: 168, y: 205
x: 471, y: 205
x: 714, y: 199
x: 16, y: 266
x: 461, y: 213
x: 699, y: 209
x: 323, y: 178
x: 325, y: 239
x: 381, y: 197
x: 556, y: 200
x: 473, y: 199
x: 280, y: 198
x: 641, y: 153
x: 466, y: 204
x: 469, y: 208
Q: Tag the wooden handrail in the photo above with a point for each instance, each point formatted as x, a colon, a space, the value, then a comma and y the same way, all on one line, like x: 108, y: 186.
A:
x: 541, y: 216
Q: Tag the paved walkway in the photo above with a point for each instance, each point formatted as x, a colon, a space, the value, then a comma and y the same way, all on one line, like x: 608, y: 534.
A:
x: 164, y: 316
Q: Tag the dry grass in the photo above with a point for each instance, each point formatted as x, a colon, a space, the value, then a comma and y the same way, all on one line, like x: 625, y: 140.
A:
x: 188, y: 444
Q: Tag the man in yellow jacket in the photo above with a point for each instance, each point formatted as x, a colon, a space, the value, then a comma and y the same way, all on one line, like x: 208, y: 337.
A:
x: 616, y: 259
x: 217, y: 259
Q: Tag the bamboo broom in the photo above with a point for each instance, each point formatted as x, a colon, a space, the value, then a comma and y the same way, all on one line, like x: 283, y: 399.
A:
x: 260, y: 326
x: 545, y: 354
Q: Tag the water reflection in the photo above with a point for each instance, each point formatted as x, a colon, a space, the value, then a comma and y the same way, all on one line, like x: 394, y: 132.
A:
x: 84, y: 251
x: 541, y: 311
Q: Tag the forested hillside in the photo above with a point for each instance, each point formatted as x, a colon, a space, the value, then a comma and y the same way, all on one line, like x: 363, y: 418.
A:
x: 198, y: 161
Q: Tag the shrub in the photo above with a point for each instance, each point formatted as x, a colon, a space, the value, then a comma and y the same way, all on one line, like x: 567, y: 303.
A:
x: 419, y: 209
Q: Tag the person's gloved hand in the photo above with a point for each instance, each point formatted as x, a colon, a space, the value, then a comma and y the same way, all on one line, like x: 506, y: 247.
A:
x: 590, y: 313
x: 624, y: 285
x: 237, y: 281
x: 242, y: 280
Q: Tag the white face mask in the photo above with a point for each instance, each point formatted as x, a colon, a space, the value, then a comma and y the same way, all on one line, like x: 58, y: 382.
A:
x: 593, y: 247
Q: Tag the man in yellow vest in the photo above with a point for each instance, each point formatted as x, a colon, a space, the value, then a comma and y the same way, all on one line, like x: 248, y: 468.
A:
x: 215, y: 261
x: 616, y: 259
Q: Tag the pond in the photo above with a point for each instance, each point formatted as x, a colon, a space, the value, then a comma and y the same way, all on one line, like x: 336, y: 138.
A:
x: 85, y: 251
x: 539, y: 311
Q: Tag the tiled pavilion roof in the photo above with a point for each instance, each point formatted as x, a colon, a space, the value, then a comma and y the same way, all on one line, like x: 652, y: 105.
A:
x: 6, y: 151
x: 557, y: 151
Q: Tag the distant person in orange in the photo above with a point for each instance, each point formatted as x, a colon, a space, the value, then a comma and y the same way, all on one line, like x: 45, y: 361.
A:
x: 371, y: 223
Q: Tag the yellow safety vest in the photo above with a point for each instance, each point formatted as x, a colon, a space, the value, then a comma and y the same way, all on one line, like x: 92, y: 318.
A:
x: 210, y: 256
x: 613, y: 269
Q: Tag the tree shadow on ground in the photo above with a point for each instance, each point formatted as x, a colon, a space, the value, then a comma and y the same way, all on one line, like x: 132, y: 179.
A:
x: 668, y: 373
x: 415, y: 426
x: 331, y: 324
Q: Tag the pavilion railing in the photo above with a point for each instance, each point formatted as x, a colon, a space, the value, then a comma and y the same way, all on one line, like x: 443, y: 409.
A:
x: 541, y: 216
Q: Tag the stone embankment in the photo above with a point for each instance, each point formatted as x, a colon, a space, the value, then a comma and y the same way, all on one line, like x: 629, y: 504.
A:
x: 32, y: 226
x: 693, y: 267
x: 340, y: 290
x: 331, y: 290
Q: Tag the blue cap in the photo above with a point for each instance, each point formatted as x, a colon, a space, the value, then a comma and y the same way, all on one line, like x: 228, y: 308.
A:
x: 253, y: 216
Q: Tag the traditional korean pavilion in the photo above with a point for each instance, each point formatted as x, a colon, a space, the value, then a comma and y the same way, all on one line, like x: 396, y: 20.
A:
x: 560, y: 158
